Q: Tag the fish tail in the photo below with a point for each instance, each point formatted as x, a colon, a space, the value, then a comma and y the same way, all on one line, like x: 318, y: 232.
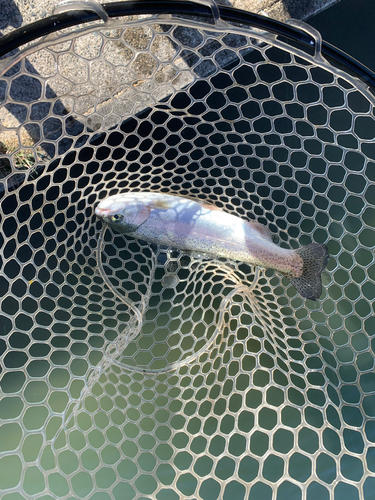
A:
x: 315, y: 258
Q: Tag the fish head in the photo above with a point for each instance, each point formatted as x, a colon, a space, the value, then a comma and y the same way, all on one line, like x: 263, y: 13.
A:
x: 124, y: 213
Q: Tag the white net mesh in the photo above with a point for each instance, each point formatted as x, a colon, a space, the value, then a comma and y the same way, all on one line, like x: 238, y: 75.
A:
x: 137, y: 372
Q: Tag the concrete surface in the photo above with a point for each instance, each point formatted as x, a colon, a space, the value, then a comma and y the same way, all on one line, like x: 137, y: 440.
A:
x: 17, y: 13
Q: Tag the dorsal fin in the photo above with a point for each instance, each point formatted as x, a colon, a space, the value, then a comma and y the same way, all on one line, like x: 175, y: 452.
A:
x: 160, y: 204
x: 263, y: 230
x: 208, y: 206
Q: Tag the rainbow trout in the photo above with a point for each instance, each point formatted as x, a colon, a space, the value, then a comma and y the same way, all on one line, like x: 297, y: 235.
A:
x: 184, y: 224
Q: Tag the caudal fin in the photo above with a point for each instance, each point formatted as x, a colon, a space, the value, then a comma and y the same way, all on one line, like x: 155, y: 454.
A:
x: 315, y: 258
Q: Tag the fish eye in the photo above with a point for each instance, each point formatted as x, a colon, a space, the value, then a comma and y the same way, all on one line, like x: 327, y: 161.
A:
x: 117, y: 218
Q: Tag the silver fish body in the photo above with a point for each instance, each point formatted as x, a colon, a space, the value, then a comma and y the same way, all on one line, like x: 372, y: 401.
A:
x: 188, y: 225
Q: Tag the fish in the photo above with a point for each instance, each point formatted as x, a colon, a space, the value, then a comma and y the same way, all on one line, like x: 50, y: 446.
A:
x: 193, y: 226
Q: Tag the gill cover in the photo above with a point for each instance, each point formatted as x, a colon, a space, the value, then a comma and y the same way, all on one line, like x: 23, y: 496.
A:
x: 129, y: 218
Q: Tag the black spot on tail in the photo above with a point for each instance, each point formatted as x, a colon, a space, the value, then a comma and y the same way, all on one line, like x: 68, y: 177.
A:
x: 315, y: 258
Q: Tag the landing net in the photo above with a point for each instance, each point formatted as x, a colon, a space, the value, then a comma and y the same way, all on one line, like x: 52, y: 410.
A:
x: 132, y: 371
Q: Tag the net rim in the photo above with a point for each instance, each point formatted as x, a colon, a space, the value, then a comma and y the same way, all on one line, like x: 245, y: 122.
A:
x: 292, y: 32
